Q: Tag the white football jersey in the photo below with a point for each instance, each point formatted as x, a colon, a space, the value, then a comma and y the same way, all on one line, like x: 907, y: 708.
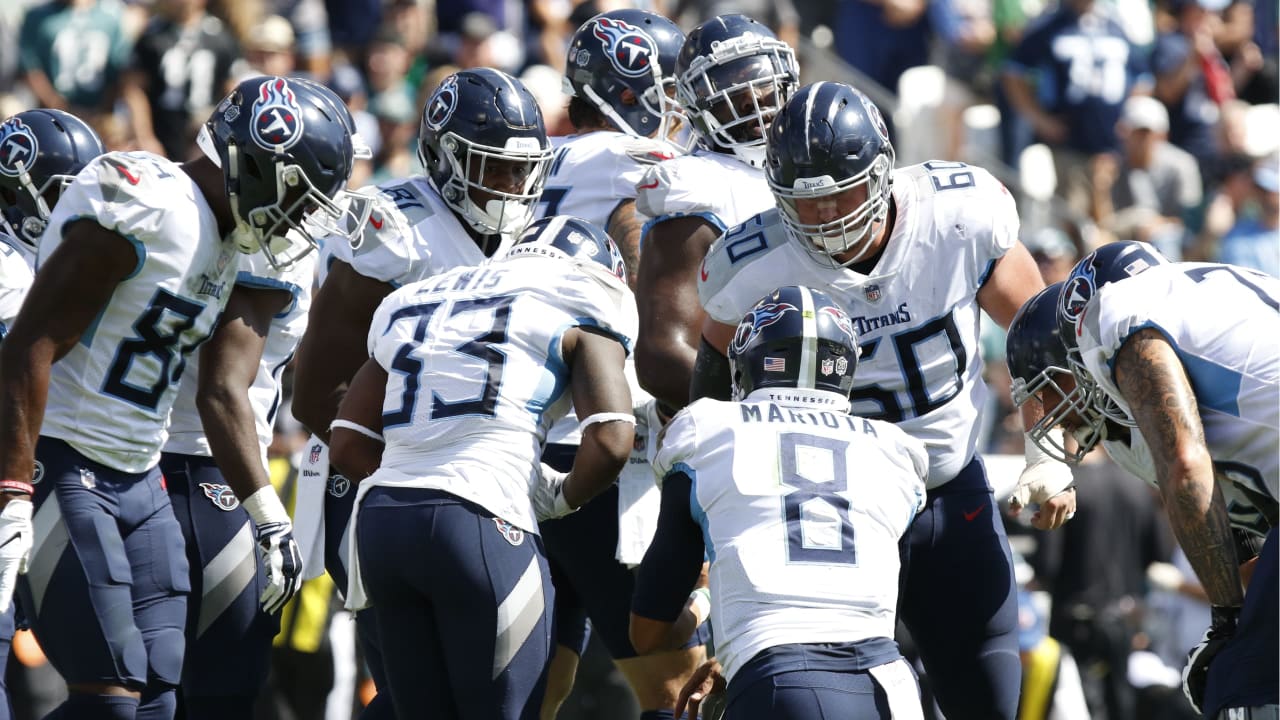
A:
x: 916, y: 317
x: 1223, y: 322
x: 592, y: 173
x: 475, y: 375
x: 186, y: 432
x: 109, y: 398
x: 719, y: 188
x: 410, y: 235
x: 801, y: 512
x: 15, y: 281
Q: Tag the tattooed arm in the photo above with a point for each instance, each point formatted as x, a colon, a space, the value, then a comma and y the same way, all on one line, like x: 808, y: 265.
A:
x: 624, y: 228
x: 1153, y: 382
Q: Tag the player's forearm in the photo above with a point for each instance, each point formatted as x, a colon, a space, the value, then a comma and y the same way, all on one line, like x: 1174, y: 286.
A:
x: 1152, y: 380
x: 1198, y: 516
x: 604, y: 451
x: 24, y: 388
x: 229, y: 425
x: 711, y: 374
x: 664, y: 367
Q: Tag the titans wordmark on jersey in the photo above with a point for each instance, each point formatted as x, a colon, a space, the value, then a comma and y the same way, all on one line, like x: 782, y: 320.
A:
x: 109, y: 398
x: 186, y: 432
x: 801, y: 512
x: 1222, y: 321
x: 916, y: 316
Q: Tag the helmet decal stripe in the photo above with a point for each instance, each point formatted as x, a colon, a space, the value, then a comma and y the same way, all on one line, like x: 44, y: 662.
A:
x: 808, y: 117
x: 809, y: 351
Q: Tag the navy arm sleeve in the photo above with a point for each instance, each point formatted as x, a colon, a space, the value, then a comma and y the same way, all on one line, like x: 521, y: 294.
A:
x: 671, y: 565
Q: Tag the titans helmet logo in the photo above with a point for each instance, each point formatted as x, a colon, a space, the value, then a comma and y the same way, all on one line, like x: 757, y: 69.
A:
x: 761, y: 317
x: 841, y: 320
x: 18, y: 148
x: 629, y: 48
x: 877, y: 120
x: 1076, y: 293
x: 221, y: 496
x: 442, y: 104
x: 277, y: 117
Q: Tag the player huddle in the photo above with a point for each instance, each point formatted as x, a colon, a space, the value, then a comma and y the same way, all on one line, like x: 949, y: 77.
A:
x: 551, y: 379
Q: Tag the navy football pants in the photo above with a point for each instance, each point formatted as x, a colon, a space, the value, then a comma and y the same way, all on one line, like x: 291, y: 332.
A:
x: 463, y: 604
x: 228, y: 634
x: 1247, y: 671
x: 959, y: 600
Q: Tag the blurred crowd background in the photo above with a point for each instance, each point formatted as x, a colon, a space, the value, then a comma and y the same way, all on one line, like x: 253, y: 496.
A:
x: 1150, y: 120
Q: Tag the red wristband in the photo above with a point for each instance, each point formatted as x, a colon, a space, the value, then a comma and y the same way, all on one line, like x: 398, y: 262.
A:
x: 16, y: 486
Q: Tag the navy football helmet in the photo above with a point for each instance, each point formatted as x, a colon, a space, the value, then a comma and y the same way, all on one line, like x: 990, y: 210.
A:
x: 626, y: 50
x: 826, y: 141
x: 732, y: 76
x: 485, y: 149
x: 1037, y: 361
x: 286, y: 153
x: 40, y: 153
x: 573, y: 239
x: 795, y: 337
x: 1109, y: 263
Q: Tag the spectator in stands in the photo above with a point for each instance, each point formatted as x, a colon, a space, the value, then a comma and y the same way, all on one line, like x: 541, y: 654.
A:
x: 1147, y: 193
x: 1191, y: 76
x: 71, y: 54
x: 1053, y: 252
x: 1069, y: 77
x: 1254, y: 241
x: 1094, y: 567
x: 1232, y: 189
x: 1051, y: 686
x: 779, y: 15
x: 309, y: 21
x: 182, y: 65
x: 882, y: 38
x: 270, y: 47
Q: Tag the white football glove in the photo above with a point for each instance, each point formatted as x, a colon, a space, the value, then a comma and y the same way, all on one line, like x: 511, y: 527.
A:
x: 1042, y: 478
x: 280, y: 555
x: 16, y: 538
x: 548, y: 495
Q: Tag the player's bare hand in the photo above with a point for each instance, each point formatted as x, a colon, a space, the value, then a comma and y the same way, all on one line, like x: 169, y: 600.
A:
x: 704, y: 681
x: 1056, y: 511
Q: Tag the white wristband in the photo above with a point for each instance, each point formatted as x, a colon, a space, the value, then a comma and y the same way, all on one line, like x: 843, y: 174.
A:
x: 700, y: 603
x: 604, y: 417
x: 264, y: 507
x: 356, y: 427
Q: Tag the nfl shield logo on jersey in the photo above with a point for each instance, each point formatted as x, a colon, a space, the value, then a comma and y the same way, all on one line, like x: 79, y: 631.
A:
x: 221, y: 496
x: 631, y: 51
x: 316, y: 449
x: 277, y: 118
x: 18, y: 148
x: 872, y: 293
x: 509, y: 532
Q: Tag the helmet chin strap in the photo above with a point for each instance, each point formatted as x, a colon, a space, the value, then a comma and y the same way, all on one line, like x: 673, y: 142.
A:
x: 242, y: 236
x: 607, y: 110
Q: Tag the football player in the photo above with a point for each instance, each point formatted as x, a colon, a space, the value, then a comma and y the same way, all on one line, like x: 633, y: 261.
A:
x: 41, y: 151
x: 485, y: 150
x: 913, y: 254
x: 732, y: 76
x: 135, y: 268
x: 620, y: 67
x: 231, y: 614
x: 803, y: 548
x: 467, y: 371
x: 1185, y: 354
